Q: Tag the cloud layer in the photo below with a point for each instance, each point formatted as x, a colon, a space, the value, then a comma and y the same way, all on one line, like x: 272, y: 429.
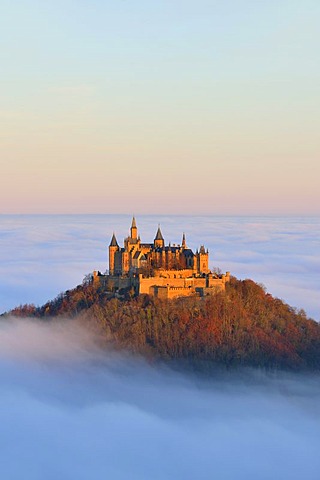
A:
x: 70, y: 411
x: 40, y: 256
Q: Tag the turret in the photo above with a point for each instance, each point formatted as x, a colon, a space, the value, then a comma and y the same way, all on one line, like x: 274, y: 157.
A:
x: 133, y: 229
x: 203, y: 260
x: 158, y: 241
x: 113, y: 248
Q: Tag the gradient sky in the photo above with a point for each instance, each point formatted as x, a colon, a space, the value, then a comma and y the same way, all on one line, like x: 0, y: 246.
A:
x: 160, y: 106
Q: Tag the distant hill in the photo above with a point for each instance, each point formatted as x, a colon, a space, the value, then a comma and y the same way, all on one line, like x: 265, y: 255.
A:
x: 245, y: 326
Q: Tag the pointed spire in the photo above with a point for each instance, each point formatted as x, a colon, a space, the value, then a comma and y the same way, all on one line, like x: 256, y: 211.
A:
x: 113, y: 242
x: 184, y: 245
x: 133, y: 229
x: 159, y: 234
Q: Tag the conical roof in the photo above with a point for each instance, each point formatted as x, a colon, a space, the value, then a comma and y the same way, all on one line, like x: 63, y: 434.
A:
x: 159, y: 234
x: 113, y: 242
x: 133, y: 224
x: 202, y: 249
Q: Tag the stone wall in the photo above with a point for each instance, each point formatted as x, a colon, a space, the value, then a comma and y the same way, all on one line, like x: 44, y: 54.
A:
x: 165, y: 286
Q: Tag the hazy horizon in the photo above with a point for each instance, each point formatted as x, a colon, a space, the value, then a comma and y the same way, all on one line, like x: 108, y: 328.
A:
x: 43, y: 255
x: 164, y: 214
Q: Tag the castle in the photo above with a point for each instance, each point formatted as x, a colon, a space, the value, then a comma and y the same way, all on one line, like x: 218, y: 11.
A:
x: 159, y: 270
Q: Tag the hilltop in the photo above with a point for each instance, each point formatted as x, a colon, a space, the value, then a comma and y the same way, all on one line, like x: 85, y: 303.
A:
x: 241, y: 326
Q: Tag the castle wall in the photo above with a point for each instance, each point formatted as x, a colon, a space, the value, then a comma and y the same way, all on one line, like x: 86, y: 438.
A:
x: 174, y: 292
x: 117, y: 263
x: 172, y: 274
x: 144, y: 284
x: 112, y: 252
x: 182, y: 286
x: 125, y: 262
x: 115, y: 282
x: 164, y: 287
x: 166, y: 292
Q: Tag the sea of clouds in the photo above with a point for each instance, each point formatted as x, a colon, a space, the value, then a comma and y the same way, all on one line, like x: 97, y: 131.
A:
x: 69, y: 410
x: 41, y: 256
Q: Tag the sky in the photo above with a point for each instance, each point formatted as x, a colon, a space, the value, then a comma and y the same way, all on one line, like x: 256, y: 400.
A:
x: 160, y: 107
x: 70, y: 411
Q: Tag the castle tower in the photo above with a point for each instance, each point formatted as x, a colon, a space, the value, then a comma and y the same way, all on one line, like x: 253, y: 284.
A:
x: 159, y: 240
x: 113, y: 248
x: 203, y: 260
x: 133, y: 229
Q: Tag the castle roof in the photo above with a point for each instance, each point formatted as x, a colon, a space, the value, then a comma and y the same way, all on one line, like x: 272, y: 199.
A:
x: 202, y: 249
x: 170, y: 248
x: 159, y: 234
x: 140, y: 255
x: 114, y: 242
x: 133, y: 224
x: 132, y: 241
x: 188, y: 252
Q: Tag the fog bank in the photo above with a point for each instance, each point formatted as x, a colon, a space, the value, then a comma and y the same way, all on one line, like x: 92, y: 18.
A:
x: 41, y: 256
x: 69, y: 410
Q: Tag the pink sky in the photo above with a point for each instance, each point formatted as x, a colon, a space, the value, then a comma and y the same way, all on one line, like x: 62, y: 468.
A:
x: 159, y: 108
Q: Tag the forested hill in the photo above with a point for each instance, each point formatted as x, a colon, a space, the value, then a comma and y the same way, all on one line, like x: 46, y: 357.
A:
x: 243, y: 326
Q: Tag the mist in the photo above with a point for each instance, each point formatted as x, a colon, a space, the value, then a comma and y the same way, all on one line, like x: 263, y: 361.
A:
x: 70, y: 410
x: 43, y: 255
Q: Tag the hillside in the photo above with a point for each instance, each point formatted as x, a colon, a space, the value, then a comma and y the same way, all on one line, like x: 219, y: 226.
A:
x: 243, y: 326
